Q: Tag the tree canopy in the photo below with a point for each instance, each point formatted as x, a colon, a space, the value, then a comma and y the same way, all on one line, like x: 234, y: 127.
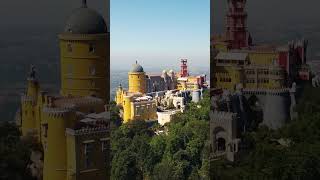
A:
x: 181, y: 153
x: 14, y: 154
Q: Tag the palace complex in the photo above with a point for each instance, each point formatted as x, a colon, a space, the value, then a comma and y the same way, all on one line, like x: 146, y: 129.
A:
x: 158, y: 96
x: 251, y: 79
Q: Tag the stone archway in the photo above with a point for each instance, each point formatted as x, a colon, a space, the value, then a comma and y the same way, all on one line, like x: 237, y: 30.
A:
x: 219, y: 140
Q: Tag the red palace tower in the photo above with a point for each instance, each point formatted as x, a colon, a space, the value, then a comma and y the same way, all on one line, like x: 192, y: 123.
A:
x: 237, y: 35
x: 184, y: 68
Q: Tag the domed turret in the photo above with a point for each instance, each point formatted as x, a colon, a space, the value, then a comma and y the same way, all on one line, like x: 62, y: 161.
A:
x: 85, y: 54
x: 171, y: 73
x: 137, y: 68
x: 137, y: 79
x: 85, y: 21
x: 164, y: 73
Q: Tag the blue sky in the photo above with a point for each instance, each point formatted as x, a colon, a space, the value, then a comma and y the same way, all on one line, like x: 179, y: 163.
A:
x: 158, y: 33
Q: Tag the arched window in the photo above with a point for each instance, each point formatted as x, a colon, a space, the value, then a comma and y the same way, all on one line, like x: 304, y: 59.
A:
x: 221, y: 144
x: 92, y: 70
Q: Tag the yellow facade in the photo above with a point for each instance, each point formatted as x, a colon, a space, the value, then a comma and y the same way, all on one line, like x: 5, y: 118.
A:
x: 85, y: 65
x: 145, y: 110
x: 55, y: 155
x: 83, y: 164
x: 137, y: 82
x: 259, y: 71
x: 127, y: 108
x: 222, y: 47
x: 188, y: 83
x: 119, y: 96
x: 227, y: 77
x: 29, y: 109
x: 138, y: 110
x: 262, y: 58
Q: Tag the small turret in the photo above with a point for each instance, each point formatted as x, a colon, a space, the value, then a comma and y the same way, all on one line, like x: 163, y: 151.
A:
x: 28, y: 105
x: 33, y: 85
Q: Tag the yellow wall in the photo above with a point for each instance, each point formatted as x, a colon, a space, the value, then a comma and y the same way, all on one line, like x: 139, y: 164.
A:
x: 55, y: 155
x: 137, y: 82
x: 182, y: 85
x: 127, y: 108
x: 29, y: 110
x: 260, y: 58
x: 85, y: 73
x: 28, y: 123
x: 119, y: 96
x: 32, y: 88
x: 71, y: 157
x: 144, y: 110
x: 223, y: 74
x: 221, y: 47
x: 98, y: 167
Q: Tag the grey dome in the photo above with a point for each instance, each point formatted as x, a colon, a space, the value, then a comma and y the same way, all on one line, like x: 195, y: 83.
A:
x: 137, y: 68
x: 85, y: 21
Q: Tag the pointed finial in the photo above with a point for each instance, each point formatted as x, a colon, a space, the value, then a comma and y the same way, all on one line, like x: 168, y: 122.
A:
x: 32, y: 73
x: 84, y: 3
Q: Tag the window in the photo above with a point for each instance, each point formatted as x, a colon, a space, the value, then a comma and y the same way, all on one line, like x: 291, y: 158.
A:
x: 88, y: 149
x: 92, y: 70
x: 93, y: 83
x: 69, y: 47
x: 69, y: 70
x: 92, y: 48
x: 45, y: 130
x: 104, y: 148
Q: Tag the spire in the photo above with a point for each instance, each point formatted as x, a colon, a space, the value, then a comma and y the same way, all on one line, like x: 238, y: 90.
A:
x: 136, y: 61
x: 84, y: 3
x: 32, y: 73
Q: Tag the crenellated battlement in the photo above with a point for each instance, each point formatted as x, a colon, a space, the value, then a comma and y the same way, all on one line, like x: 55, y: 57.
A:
x: 88, y: 130
x: 67, y: 102
x: 81, y: 37
x: 275, y: 92
x: 222, y: 116
x: 57, y: 112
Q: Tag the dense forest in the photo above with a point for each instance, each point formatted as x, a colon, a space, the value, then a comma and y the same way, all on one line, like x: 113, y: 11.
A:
x: 14, y: 153
x: 181, y: 152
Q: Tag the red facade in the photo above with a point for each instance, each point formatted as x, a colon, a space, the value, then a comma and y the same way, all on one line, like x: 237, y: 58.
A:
x: 236, y: 25
x: 283, y: 60
x: 184, y: 68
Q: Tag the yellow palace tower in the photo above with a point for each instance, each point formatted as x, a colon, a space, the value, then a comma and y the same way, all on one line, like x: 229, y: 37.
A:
x: 73, y: 126
x: 137, y: 79
x: 85, y: 55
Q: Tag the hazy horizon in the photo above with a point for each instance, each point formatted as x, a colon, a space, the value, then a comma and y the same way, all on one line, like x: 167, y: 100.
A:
x: 159, y: 33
